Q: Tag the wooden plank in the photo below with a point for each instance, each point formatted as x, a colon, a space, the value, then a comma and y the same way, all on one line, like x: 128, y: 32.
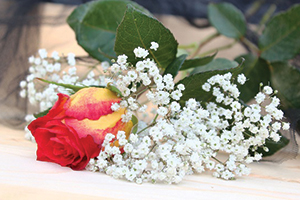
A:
x: 22, y: 177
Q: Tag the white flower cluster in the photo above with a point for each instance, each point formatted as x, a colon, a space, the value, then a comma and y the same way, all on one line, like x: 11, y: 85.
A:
x: 55, y: 69
x: 146, y: 75
x: 186, y: 139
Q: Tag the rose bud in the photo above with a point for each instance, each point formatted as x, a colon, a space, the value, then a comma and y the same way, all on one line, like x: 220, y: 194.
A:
x: 74, y: 129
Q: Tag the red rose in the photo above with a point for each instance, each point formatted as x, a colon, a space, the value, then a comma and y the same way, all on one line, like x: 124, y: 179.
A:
x: 74, y: 129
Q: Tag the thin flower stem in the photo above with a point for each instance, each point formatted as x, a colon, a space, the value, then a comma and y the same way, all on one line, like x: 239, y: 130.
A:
x: 141, y: 92
x: 243, y: 103
x: 218, y: 49
x: 204, y: 42
x: 154, y: 120
x: 189, y: 46
x: 152, y: 148
x: 144, y: 129
x: 253, y: 8
x: 150, y: 125
x: 216, y: 159
x: 251, y: 45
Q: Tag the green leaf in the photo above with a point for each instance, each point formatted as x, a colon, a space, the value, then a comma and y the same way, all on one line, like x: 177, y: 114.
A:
x: 274, y: 146
x: 196, y: 62
x: 174, y: 67
x: 114, y: 89
x: 139, y: 30
x: 42, y: 114
x: 257, y: 71
x: 181, y: 52
x: 193, y: 84
x: 280, y: 40
x: 217, y: 64
x: 227, y: 19
x: 75, y: 88
x: 135, y: 121
x: 95, y: 25
x: 286, y: 79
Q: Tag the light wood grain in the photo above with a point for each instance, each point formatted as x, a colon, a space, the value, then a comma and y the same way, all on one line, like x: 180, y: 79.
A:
x: 22, y: 177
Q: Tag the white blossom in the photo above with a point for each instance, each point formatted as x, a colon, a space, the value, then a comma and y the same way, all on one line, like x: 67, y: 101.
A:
x: 154, y: 46
x: 140, y: 52
x: 241, y: 79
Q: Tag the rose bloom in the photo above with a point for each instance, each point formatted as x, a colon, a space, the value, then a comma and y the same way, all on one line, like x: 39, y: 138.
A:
x: 74, y: 129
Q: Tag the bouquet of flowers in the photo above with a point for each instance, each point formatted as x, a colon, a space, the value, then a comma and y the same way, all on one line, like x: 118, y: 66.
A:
x: 128, y: 116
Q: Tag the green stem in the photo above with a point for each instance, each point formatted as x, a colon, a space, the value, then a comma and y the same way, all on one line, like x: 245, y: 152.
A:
x: 188, y: 46
x: 266, y: 17
x: 204, y: 42
x: 251, y: 45
x: 152, y: 148
x: 243, y: 103
x: 217, y: 160
x: 141, y: 92
x: 154, y: 120
x: 218, y: 49
x: 150, y: 125
x: 254, y: 8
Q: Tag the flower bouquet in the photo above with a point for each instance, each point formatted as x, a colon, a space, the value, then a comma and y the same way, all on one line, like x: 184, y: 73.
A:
x: 129, y: 117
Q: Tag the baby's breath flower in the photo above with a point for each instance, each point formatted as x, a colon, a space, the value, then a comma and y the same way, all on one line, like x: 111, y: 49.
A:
x: 285, y: 126
x: 71, y: 59
x: 55, y: 55
x: 162, y: 111
x: 140, y: 52
x: 122, y: 59
x: 268, y: 90
x: 206, y: 87
x: 43, y: 53
x: 260, y: 97
x: 154, y: 46
x: 184, y: 136
x: 241, y: 79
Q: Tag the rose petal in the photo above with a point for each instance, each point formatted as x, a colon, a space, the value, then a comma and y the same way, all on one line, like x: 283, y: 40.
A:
x: 90, y: 103
x: 60, y: 144
x: 110, y: 123
x: 92, y: 150
x: 57, y: 111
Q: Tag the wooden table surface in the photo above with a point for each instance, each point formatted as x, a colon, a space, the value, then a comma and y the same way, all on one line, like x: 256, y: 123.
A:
x: 22, y: 177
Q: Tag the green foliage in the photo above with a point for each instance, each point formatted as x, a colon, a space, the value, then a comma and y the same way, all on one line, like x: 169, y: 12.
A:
x: 139, y: 30
x: 257, y: 71
x: 114, y: 89
x: 273, y: 146
x: 42, y: 114
x: 217, y: 64
x: 174, y: 67
x: 95, y: 24
x: 286, y: 79
x: 196, y: 62
x: 134, y: 121
x: 74, y: 88
x: 280, y: 40
x: 227, y: 19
